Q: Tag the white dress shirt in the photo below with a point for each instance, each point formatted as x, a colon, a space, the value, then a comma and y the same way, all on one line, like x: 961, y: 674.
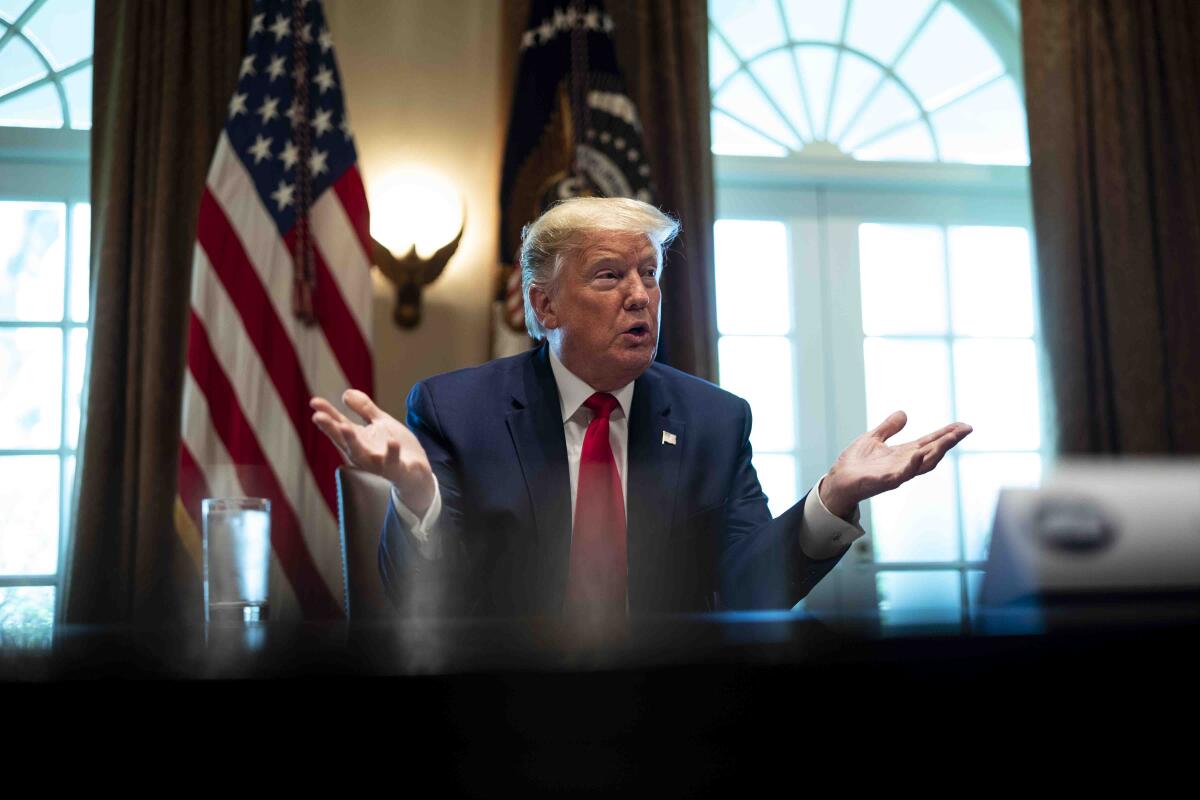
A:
x: 822, y: 534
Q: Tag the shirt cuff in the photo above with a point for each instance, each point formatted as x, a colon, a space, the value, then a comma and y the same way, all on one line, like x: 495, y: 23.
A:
x: 822, y: 533
x: 421, y: 528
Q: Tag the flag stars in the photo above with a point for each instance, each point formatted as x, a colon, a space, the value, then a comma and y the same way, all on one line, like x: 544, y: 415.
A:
x: 324, y: 79
x: 276, y: 67
x: 528, y: 39
x: 632, y: 155
x: 644, y: 170
x: 261, y: 148
x: 269, y: 109
x: 306, y: 33
x: 247, y: 67
x: 545, y: 30
x: 321, y: 122
x: 293, y: 112
x: 237, y: 105
x: 280, y: 28
x: 619, y: 143
x: 325, y: 39
x: 256, y: 24
x: 591, y: 20
x: 285, y: 195
x: 290, y: 155
x: 344, y: 127
x: 316, y: 162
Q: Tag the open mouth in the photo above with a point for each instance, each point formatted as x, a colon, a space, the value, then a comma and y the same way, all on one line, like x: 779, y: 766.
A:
x: 638, y: 331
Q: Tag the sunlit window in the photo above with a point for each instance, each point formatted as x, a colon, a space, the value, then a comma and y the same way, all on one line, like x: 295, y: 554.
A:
x: 848, y: 289
x: 45, y: 83
x: 876, y: 80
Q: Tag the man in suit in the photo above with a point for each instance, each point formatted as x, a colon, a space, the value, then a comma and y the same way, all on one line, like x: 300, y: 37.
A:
x: 583, y: 476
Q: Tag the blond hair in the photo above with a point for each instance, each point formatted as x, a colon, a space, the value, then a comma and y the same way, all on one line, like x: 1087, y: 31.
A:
x: 562, y: 230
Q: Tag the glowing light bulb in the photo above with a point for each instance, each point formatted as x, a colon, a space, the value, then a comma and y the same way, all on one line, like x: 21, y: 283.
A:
x: 414, y: 207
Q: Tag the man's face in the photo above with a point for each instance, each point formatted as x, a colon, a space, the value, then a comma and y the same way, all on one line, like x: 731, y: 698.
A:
x: 602, y: 314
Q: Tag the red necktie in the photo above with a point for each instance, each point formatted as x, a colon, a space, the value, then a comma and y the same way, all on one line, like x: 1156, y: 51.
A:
x: 596, y: 583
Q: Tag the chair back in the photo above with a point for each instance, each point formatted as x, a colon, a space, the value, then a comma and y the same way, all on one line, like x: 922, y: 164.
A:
x: 362, y: 507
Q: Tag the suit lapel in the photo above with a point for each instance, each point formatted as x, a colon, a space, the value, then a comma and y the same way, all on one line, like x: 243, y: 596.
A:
x: 654, y: 461
x: 536, y: 426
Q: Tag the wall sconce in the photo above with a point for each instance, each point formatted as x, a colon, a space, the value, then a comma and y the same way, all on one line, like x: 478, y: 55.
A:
x: 421, y: 217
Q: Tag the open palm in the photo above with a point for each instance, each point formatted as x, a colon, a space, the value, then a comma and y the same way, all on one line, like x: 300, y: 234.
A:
x: 381, y: 445
x: 870, y: 466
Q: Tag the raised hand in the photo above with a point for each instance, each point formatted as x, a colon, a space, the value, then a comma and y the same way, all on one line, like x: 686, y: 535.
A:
x: 380, y: 445
x: 869, y: 466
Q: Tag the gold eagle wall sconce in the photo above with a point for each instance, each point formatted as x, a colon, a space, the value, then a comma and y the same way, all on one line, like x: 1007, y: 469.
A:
x: 411, y: 272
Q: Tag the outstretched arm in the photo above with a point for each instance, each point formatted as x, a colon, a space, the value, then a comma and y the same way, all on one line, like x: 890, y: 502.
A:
x: 763, y: 564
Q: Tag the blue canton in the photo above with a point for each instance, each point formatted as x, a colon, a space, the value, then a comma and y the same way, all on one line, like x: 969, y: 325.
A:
x: 262, y: 110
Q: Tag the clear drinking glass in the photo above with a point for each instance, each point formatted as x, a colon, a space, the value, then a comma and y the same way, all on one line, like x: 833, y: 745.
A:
x: 237, y: 556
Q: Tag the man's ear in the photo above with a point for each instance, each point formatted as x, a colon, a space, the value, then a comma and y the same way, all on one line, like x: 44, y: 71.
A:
x: 543, y: 307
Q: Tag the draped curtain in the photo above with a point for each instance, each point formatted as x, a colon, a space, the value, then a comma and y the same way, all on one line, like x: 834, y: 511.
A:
x: 1114, y: 132
x: 164, y: 72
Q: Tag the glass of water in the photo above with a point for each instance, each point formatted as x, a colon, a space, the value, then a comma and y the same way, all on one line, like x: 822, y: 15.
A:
x: 237, y: 557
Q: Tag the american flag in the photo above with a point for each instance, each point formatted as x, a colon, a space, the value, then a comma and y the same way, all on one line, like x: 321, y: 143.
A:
x: 271, y: 326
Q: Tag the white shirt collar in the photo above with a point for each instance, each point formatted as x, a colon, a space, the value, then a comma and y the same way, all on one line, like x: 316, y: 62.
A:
x: 573, y: 390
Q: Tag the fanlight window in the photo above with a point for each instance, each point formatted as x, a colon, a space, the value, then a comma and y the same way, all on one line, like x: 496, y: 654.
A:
x: 875, y: 80
x: 46, y: 63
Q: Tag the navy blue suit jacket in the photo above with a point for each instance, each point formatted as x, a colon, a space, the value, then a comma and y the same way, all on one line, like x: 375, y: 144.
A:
x: 700, y: 536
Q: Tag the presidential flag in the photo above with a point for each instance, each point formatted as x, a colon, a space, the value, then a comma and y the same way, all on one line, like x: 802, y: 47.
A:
x: 280, y: 305
x: 573, y: 131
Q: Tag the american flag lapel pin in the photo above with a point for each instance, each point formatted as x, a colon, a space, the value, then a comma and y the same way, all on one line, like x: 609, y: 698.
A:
x: 668, y: 438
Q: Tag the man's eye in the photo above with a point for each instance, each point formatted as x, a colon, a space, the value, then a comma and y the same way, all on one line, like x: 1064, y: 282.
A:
x: 606, y: 275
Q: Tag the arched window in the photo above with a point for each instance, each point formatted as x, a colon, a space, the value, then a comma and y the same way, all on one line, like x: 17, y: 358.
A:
x: 873, y: 252
x: 45, y: 114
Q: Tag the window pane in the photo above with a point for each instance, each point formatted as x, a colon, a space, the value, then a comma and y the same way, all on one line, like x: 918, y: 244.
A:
x: 997, y: 393
x: 26, y: 617
x: 947, y: 58
x: 30, y: 388
x: 777, y: 474
x: 911, y: 143
x: 919, y: 598
x: 856, y: 78
x: 991, y: 282
x: 81, y: 231
x: 753, y: 295
x: 903, y: 279
x: 816, y: 70
x: 39, y: 108
x: 33, y: 253
x: 908, y: 376
x: 77, y: 355
x: 68, y: 490
x: 751, y: 26
x: 78, y: 86
x: 981, y: 477
x: 741, y: 97
x: 816, y: 20
x: 917, y: 521
x: 759, y: 369
x: 732, y: 138
x: 29, y: 506
x: 64, y: 28
x: 11, y: 9
x: 881, y: 27
x: 987, y: 127
x: 19, y: 65
x: 721, y: 62
x: 887, y: 109
x: 777, y: 73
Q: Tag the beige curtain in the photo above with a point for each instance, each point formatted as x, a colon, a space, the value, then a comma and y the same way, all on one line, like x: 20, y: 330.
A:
x: 164, y: 72
x: 1114, y: 133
